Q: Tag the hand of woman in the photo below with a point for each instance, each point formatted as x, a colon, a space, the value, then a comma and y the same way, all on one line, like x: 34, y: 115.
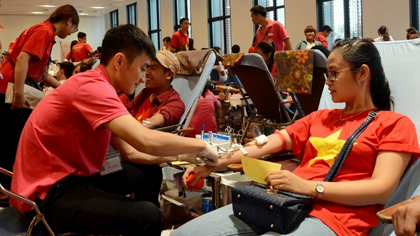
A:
x: 199, y: 171
x: 287, y: 181
x: 19, y: 101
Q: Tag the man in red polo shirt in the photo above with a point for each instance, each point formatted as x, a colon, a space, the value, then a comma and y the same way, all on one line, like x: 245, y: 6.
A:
x: 181, y: 38
x: 269, y: 30
x: 158, y: 104
x: 323, y: 34
x: 82, y: 50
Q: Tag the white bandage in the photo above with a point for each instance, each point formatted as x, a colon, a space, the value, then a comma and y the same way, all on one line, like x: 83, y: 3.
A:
x: 261, y: 140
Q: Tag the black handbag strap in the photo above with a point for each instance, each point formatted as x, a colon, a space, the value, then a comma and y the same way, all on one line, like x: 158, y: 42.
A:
x: 348, y: 146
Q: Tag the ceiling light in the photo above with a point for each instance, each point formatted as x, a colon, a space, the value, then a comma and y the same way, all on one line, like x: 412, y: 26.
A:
x: 83, y: 14
x: 46, y: 6
x: 98, y: 7
x: 37, y: 12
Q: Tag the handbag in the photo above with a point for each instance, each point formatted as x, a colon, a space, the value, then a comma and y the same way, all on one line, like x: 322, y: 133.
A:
x: 283, y: 211
x: 28, y: 81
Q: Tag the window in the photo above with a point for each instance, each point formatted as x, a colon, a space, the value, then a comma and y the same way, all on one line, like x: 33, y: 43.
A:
x: 182, y: 9
x: 113, y: 15
x: 154, y: 22
x: 219, y: 25
x: 344, y: 17
x: 414, y: 14
x: 132, y: 14
x: 275, y: 9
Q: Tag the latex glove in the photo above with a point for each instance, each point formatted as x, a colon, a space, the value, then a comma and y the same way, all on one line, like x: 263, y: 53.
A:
x: 209, y: 155
x: 261, y: 140
x: 191, y: 158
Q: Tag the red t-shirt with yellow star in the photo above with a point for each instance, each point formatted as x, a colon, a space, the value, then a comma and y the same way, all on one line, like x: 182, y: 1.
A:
x: 318, y: 138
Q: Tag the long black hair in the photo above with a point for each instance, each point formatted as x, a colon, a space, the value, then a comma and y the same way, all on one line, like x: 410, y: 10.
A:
x: 362, y: 51
x: 268, y: 47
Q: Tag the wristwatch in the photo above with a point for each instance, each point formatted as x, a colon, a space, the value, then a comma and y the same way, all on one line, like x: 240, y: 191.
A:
x: 319, y: 189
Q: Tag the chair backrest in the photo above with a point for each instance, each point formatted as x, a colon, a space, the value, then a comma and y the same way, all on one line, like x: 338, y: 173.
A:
x: 310, y: 102
x: 256, y: 79
x: 190, y: 88
x: 400, y: 61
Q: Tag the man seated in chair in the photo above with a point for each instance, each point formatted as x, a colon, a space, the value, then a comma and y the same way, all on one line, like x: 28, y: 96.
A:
x: 158, y: 104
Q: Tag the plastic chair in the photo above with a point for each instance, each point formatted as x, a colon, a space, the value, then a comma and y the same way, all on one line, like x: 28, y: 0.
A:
x: 190, y: 88
x: 16, y: 219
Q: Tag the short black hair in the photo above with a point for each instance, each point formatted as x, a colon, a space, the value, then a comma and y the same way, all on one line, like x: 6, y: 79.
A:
x: 129, y: 40
x: 236, y: 48
x: 167, y: 39
x: 81, y: 35
x: 182, y: 20
x: 326, y: 28
x: 67, y: 67
x: 257, y: 9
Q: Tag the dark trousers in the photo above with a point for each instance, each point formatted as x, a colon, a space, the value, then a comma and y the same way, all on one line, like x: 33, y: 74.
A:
x: 98, y: 204
x: 11, y: 123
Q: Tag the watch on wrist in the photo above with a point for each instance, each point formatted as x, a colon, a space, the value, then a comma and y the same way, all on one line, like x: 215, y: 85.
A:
x: 319, y: 189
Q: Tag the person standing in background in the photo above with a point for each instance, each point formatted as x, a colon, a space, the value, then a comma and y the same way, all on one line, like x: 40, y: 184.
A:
x: 166, y: 43
x: 323, y: 34
x: 26, y: 63
x: 270, y: 30
x: 310, y: 41
x: 383, y: 35
x: 69, y: 56
x: 181, y: 38
x: 82, y: 50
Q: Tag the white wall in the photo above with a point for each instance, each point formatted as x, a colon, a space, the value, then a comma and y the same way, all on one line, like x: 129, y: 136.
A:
x: 394, y: 14
x: 13, y: 25
x: 375, y: 14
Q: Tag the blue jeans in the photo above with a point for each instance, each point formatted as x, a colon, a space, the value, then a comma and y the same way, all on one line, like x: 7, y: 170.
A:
x: 223, y: 222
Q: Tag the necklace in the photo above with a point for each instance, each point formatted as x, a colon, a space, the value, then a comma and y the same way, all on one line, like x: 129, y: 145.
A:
x: 341, y: 120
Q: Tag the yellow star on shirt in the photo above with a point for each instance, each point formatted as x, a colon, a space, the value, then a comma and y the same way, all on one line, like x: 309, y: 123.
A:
x: 327, y: 148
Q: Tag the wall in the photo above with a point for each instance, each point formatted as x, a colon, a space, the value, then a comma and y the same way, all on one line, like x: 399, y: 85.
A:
x: 94, y: 27
x: 299, y: 14
x: 394, y: 14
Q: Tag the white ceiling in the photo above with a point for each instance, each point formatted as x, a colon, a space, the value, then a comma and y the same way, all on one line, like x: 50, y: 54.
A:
x: 46, y: 7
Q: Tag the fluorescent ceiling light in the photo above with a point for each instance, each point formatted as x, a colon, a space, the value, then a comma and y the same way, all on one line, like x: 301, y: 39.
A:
x: 98, y: 7
x: 37, y: 12
x: 83, y: 14
x: 46, y: 6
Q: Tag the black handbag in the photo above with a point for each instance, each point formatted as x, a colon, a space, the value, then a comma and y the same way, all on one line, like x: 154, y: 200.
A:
x: 282, y: 211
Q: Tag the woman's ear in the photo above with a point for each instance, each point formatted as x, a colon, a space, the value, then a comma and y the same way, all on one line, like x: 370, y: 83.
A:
x: 363, y: 72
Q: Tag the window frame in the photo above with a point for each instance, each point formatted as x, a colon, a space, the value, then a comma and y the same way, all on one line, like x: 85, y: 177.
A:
x: 222, y: 18
x: 414, y: 13
x: 273, y: 8
x: 158, y: 30
x: 346, y: 15
x: 177, y: 16
x: 132, y: 9
x: 113, y: 15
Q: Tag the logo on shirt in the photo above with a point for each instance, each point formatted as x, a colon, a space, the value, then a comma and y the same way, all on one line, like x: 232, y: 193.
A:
x: 328, y: 148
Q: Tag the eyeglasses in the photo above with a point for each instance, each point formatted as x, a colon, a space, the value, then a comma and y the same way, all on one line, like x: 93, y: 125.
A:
x: 75, y: 28
x: 332, y: 75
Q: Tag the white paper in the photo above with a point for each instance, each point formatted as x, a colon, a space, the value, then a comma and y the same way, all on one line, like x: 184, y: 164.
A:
x: 32, y: 95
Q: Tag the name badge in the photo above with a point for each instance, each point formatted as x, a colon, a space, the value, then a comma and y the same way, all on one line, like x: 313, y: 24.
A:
x: 270, y: 34
x: 111, y: 165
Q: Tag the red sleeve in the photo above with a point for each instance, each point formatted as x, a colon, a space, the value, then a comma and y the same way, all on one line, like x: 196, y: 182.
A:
x: 281, y: 31
x: 174, y: 40
x: 173, y: 110
x: 68, y: 56
x: 38, y: 39
x: 92, y: 95
x: 299, y: 133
